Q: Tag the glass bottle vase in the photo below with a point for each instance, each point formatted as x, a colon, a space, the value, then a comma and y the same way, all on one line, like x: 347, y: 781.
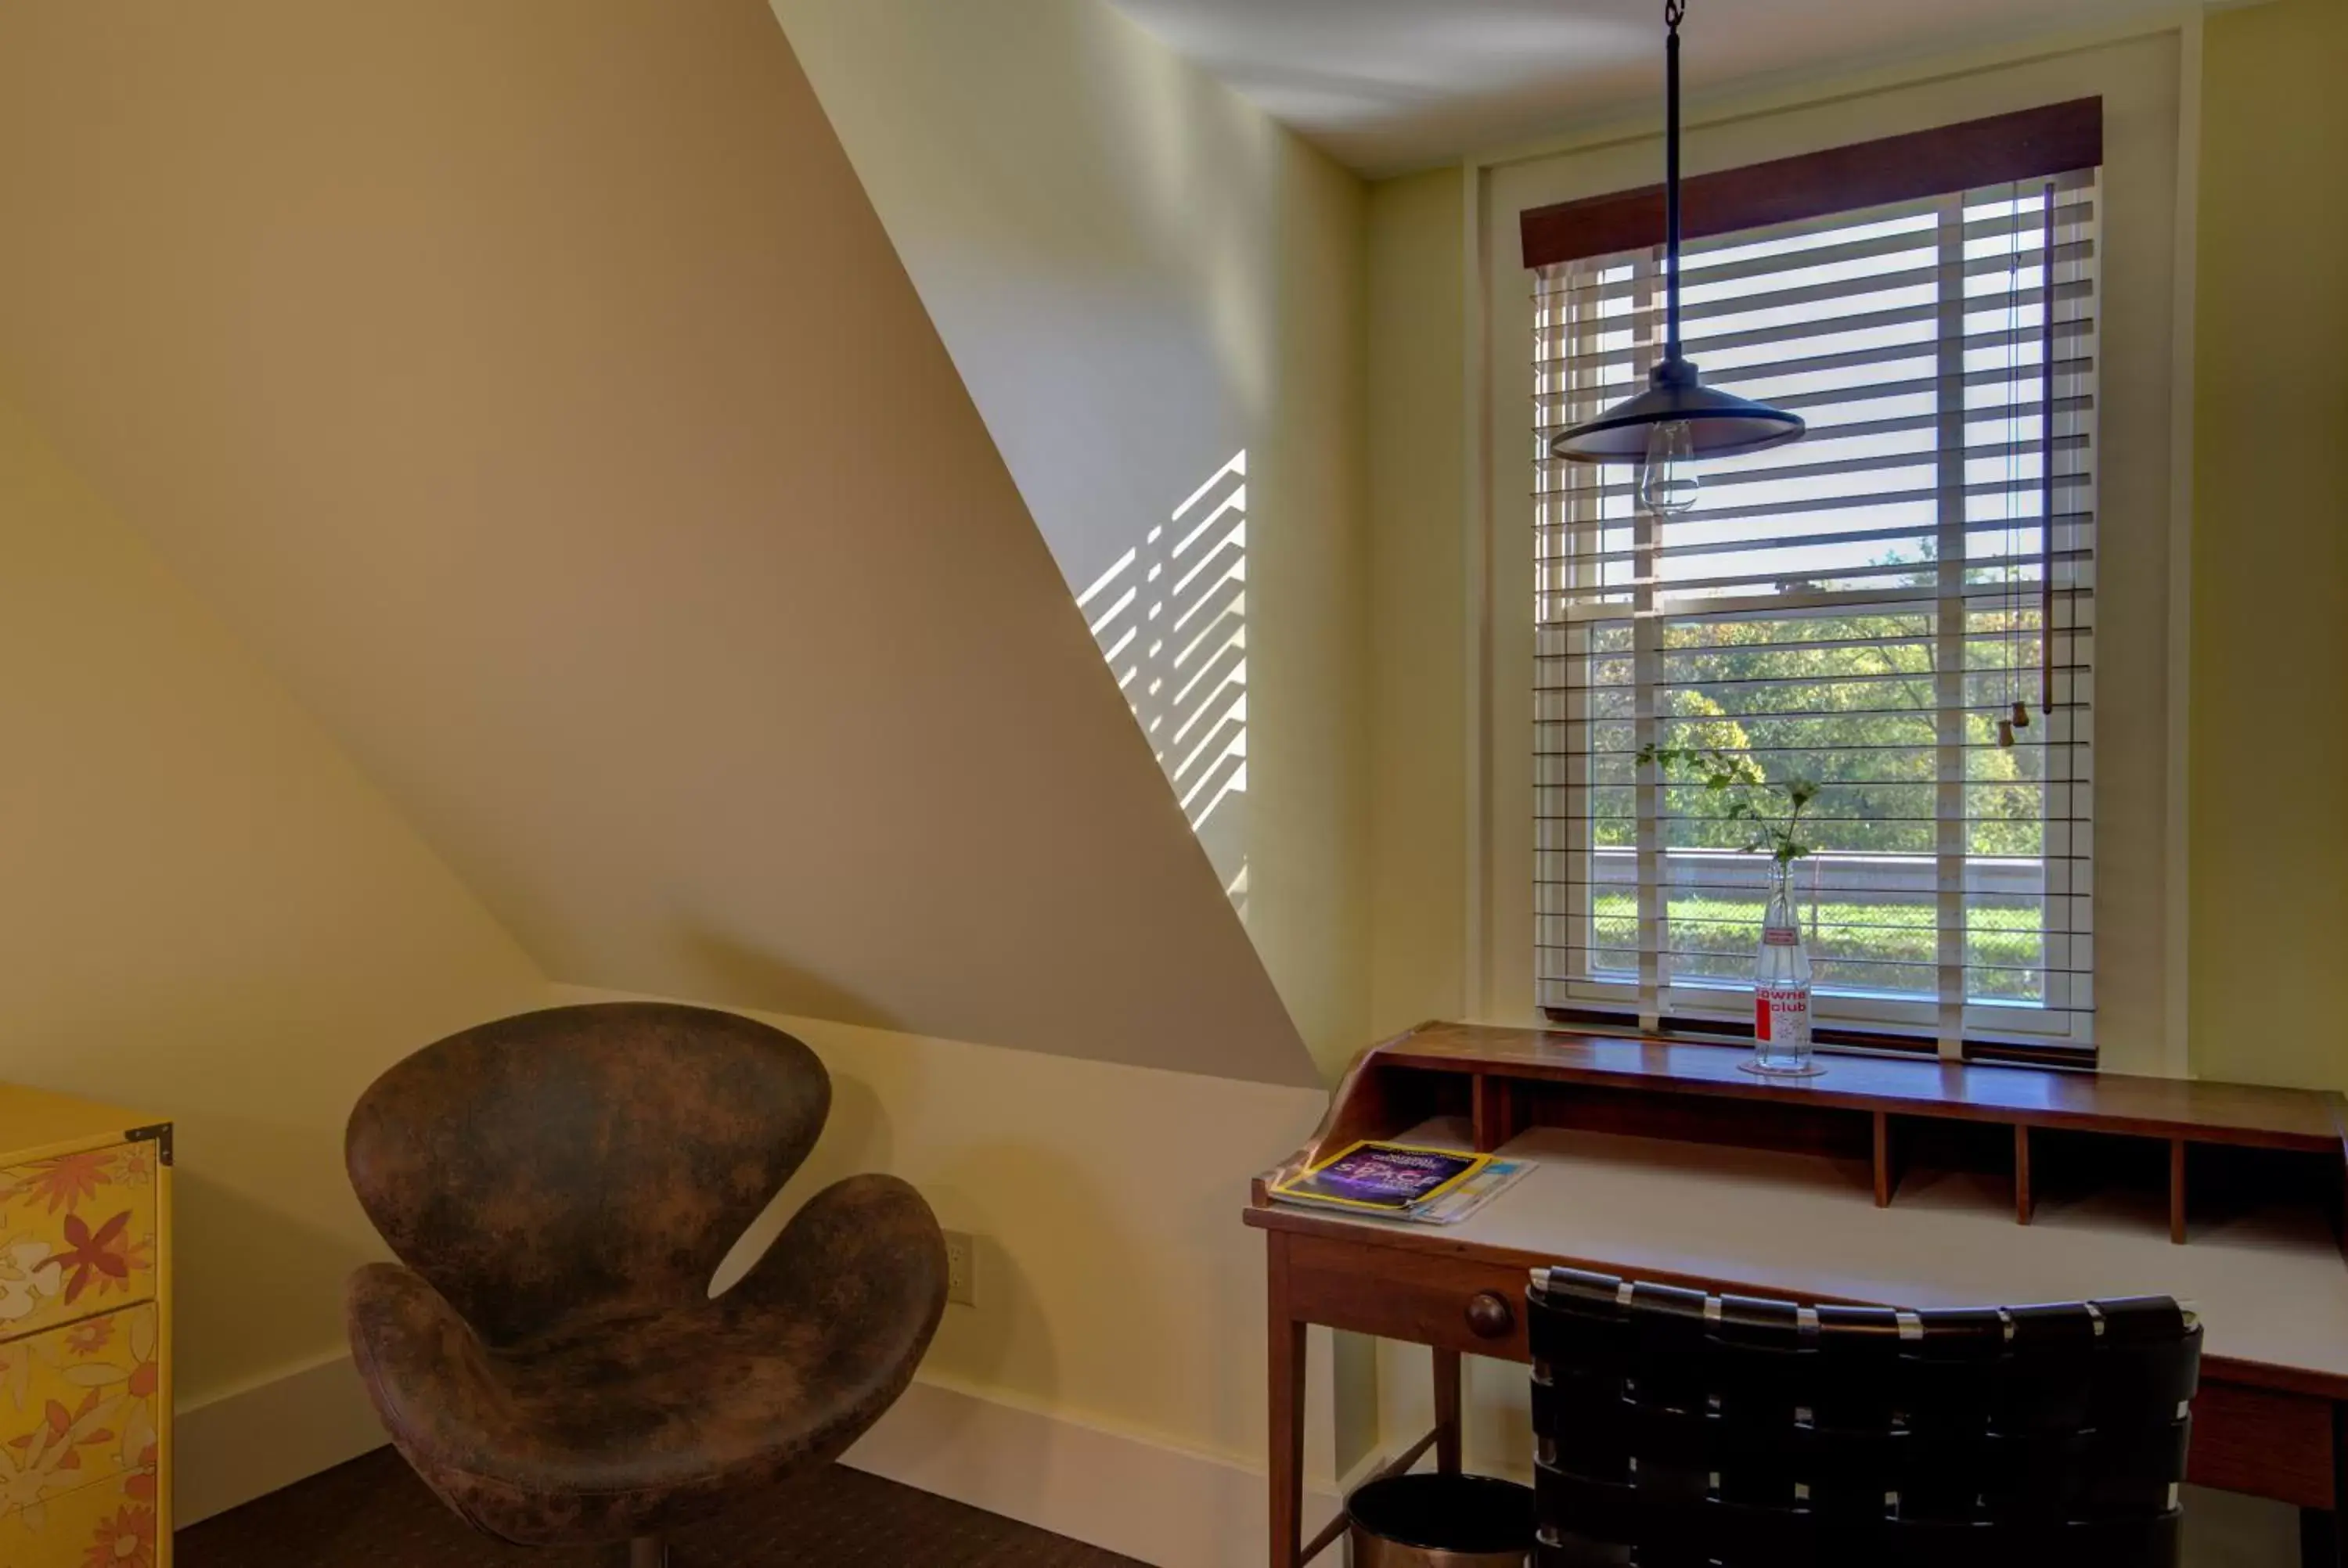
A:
x: 1781, y: 986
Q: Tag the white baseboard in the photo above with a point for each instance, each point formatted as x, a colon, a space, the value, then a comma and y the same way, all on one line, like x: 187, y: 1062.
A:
x: 246, y: 1444
x: 1147, y: 1499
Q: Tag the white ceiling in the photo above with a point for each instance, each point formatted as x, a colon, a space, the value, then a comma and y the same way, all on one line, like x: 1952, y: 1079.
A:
x: 1393, y: 85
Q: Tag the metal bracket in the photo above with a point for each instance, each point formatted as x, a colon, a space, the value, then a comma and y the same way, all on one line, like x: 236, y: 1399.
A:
x: 159, y: 1134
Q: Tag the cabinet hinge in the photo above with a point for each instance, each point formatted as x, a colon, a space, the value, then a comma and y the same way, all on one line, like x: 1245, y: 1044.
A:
x: 159, y: 1135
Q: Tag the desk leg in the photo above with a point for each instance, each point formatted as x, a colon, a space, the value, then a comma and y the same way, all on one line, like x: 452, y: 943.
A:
x: 2319, y: 1547
x: 2322, y: 1541
x: 1446, y: 1411
x: 1284, y: 1359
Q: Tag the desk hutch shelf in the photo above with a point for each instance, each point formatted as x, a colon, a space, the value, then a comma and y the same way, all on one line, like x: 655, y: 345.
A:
x: 2190, y: 1145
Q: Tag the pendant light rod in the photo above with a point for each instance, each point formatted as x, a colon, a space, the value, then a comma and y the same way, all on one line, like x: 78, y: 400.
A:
x: 1674, y: 12
x: 1677, y: 414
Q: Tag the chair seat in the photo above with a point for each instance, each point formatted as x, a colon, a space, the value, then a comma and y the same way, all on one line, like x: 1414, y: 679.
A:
x: 623, y: 1421
x: 624, y: 1401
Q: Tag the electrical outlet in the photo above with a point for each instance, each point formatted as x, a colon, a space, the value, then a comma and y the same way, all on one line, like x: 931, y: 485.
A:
x: 962, y: 1268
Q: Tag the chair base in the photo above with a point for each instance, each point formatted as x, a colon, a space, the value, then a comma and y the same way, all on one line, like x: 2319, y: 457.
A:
x: 648, y: 1551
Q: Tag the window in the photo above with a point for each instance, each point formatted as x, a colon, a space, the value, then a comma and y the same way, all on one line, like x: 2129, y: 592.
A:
x: 1868, y: 609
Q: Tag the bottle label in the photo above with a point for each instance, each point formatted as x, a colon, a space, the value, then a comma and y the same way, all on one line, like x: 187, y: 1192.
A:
x: 1785, y: 937
x: 1780, y: 1013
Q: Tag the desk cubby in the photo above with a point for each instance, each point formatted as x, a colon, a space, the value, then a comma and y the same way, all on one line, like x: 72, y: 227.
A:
x: 2161, y: 1151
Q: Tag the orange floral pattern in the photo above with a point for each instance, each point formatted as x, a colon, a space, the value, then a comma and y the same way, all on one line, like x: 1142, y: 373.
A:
x: 73, y: 1415
x: 80, y: 1380
x: 76, y: 1231
x: 107, y: 1525
x: 102, y: 1255
x: 125, y: 1540
x: 63, y: 1182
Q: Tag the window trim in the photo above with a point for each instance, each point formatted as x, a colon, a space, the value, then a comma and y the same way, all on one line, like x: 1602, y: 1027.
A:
x: 2144, y: 75
x: 1964, y: 1028
x: 1969, y: 155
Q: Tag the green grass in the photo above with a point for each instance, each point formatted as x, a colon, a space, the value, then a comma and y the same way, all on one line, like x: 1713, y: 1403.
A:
x: 1844, y: 938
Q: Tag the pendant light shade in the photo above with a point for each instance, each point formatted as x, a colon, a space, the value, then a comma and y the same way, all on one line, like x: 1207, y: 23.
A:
x: 1677, y: 416
x: 1719, y: 423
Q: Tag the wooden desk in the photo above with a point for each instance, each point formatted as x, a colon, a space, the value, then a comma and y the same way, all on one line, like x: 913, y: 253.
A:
x: 1672, y: 1202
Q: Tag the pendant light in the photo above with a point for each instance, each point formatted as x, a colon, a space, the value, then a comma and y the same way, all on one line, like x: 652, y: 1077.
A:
x: 1678, y: 420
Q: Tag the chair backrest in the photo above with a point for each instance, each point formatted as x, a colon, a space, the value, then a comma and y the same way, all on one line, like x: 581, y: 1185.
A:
x: 582, y: 1160
x: 1676, y: 1429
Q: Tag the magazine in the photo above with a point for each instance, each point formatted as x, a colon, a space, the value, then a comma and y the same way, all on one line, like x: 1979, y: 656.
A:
x: 1381, y: 1178
x: 1450, y: 1208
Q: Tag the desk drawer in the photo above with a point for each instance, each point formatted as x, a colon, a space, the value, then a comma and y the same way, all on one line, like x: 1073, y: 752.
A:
x: 77, y: 1406
x: 113, y: 1522
x: 76, y: 1236
x: 1423, y: 1298
x: 2261, y: 1442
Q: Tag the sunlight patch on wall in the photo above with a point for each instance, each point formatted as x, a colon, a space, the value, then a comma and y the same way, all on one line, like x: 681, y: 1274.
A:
x: 1171, y: 617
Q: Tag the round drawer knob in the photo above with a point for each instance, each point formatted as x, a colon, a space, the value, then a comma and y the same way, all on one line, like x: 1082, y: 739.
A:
x: 1490, y: 1316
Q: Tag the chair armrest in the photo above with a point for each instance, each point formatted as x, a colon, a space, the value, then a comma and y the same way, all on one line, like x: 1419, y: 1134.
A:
x: 863, y: 1266
x: 426, y: 1371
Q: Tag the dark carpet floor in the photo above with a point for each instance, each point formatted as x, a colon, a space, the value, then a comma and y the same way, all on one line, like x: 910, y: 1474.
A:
x: 373, y: 1513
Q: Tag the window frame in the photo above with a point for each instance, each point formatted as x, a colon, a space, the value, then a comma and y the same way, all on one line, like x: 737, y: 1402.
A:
x: 1797, y: 197
x: 2145, y: 438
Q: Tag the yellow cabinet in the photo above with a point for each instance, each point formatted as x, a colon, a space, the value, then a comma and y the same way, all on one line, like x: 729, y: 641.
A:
x: 85, y: 1335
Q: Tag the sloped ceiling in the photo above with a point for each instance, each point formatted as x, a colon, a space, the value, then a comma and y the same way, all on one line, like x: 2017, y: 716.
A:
x: 532, y: 385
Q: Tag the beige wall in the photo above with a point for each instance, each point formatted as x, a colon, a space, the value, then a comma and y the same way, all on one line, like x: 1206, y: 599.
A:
x: 478, y: 536
x: 213, y: 912
x: 2270, y: 602
x: 2137, y: 79
x: 207, y: 912
x: 2269, y: 840
x: 1417, y: 360
x: 1117, y: 1286
x: 2270, y: 724
x: 1139, y: 275
x: 534, y: 387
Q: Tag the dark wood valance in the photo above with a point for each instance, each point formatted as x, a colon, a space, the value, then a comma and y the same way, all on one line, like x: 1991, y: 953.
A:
x: 2027, y: 145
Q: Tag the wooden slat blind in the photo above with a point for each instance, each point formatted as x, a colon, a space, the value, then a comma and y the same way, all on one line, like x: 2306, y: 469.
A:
x: 1861, y: 608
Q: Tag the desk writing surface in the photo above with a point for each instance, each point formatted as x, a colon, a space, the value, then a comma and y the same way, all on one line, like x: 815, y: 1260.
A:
x: 2270, y: 1288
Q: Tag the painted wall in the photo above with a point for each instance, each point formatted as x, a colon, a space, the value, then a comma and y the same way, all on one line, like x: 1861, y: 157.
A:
x: 2270, y: 725
x: 1116, y: 1286
x: 1139, y: 276
x: 535, y: 388
x: 2269, y: 602
x: 2268, y: 580
x: 207, y: 912
x: 560, y: 544
x: 1418, y: 599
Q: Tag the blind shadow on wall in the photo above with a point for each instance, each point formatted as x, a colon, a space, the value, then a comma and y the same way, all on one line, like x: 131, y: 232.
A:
x: 1171, y: 617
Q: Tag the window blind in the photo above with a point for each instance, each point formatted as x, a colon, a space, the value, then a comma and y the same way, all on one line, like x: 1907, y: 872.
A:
x: 1860, y: 608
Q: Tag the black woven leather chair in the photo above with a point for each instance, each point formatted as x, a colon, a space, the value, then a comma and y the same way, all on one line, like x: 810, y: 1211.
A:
x: 1681, y: 1431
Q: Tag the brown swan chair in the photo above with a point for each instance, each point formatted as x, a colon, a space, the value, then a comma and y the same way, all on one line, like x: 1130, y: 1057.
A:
x: 559, y: 1188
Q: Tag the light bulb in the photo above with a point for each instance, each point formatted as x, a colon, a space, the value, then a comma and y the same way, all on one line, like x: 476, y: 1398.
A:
x: 1667, y: 480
